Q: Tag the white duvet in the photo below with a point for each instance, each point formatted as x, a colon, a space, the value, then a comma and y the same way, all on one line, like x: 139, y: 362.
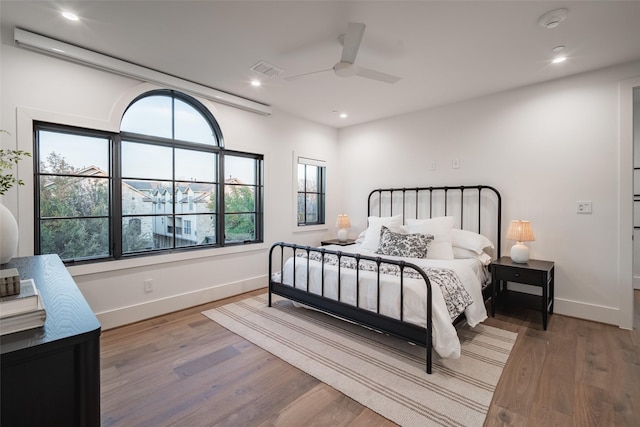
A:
x: 445, y: 339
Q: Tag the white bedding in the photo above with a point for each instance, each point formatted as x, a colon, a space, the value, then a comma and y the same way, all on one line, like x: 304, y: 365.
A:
x: 471, y: 273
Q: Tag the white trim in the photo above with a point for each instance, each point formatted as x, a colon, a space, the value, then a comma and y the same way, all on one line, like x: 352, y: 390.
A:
x: 636, y: 282
x: 97, y: 60
x: 135, y: 313
x: 308, y: 160
x: 625, y: 203
x: 581, y: 310
x: 313, y: 162
x: 309, y: 228
x: 161, y: 259
x: 565, y: 307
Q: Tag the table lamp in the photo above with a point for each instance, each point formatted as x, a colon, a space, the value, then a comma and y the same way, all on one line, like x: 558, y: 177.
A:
x: 520, y: 231
x: 343, y: 223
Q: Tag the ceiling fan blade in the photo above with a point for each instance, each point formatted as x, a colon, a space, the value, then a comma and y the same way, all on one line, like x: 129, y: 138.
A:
x: 377, y: 75
x: 297, y: 76
x: 351, y: 43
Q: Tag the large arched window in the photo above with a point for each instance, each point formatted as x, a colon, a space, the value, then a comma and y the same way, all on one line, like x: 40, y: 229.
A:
x: 171, y: 115
x: 165, y: 182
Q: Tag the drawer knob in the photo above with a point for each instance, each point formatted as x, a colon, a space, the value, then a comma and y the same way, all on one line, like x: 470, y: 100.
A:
x: 517, y: 274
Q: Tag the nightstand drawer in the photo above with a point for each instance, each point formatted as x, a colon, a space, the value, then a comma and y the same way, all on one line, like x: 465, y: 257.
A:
x: 337, y: 242
x: 520, y: 275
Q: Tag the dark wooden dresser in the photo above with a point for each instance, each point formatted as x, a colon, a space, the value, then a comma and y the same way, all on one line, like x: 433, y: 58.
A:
x: 51, y: 375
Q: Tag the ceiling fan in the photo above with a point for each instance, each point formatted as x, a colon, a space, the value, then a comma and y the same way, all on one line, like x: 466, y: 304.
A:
x: 347, y: 67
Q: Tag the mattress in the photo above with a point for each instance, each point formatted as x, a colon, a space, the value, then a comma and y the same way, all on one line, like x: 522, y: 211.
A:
x: 469, y: 272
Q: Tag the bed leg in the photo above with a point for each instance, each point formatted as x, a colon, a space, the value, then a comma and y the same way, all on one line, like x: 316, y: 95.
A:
x: 269, y: 298
x: 429, y: 342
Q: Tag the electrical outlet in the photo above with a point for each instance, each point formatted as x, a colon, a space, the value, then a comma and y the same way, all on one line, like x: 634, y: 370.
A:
x: 433, y: 166
x: 455, y: 163
x: 584, y: 207
x: 148, y: 287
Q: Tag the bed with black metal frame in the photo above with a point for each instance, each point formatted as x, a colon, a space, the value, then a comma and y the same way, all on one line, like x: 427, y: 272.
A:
x: 470, y: 205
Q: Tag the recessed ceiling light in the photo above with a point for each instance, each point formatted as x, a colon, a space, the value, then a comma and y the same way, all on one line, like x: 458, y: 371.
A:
x: 559, y: 59
x: 558, y: 49
x: 343, y: 115
x: 255, y: 83
x: 70, y: 16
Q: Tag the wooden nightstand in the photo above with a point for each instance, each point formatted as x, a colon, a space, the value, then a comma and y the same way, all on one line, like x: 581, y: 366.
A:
x: 534, y: 272
x: 337, y: 242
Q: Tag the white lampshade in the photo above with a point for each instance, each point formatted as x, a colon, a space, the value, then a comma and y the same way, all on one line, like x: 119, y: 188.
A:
x: 520, y: 231
x: 342, y: 223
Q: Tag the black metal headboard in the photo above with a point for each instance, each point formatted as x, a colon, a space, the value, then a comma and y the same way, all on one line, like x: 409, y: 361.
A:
x: 476, y: 207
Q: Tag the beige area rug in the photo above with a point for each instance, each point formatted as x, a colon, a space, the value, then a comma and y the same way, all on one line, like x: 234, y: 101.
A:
x: 383, y: 373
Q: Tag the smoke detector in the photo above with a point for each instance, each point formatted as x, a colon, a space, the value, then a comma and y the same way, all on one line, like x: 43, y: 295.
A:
x: 553, y: 18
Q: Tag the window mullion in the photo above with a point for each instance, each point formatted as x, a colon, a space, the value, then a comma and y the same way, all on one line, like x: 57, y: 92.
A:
x: 220, y: 210
x: 116, y: 198
x: 306, y: 196
x: 174, y: 189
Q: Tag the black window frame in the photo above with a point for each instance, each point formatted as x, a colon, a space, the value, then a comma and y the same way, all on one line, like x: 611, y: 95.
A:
x: 320, y: 194
x: 116, y: 180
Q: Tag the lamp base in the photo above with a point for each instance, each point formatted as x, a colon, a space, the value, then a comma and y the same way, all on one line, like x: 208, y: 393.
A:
x: 342, y: 235
x: 519, y: 253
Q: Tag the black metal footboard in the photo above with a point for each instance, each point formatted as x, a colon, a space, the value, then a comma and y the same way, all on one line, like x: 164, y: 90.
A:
x: 354, y: 313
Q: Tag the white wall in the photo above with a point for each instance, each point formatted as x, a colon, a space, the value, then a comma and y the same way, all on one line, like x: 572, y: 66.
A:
x: 38, y: 87
x: 544, y: 147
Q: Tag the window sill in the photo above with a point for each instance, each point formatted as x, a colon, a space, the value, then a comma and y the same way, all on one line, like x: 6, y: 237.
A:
x: 145, y: 261
x: 308, y: 228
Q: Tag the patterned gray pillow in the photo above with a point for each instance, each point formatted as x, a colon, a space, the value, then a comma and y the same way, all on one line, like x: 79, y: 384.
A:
x: 403, y: 245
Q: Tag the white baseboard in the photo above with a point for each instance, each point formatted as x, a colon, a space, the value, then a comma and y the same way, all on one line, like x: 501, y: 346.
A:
x: 581, y: 310
x: 135, y: 313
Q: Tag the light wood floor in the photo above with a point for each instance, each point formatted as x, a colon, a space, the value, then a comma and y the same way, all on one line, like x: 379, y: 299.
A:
x: 182, y: 369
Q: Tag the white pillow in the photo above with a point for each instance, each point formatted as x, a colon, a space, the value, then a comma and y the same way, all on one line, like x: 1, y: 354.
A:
x: 372, y: 236
x: 440, y: 228
x: 461, y: 253
x: 469, y: 240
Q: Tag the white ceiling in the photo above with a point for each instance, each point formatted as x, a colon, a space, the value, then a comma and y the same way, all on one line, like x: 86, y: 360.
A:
x: 444, y: 51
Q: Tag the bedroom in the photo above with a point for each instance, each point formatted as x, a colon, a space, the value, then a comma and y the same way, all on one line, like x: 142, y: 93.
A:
x: 545, y: 146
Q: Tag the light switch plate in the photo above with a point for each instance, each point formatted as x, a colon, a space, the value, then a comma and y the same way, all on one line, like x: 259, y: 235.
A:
x: 584, y: 207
